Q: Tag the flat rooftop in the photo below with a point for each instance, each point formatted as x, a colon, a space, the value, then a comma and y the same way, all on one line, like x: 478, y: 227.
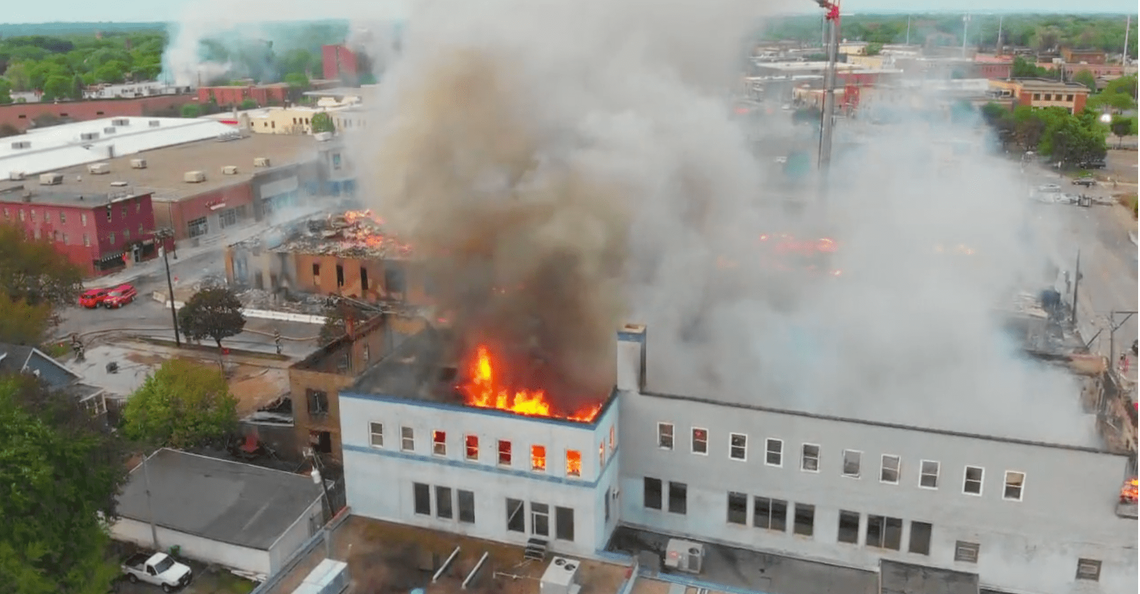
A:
x: 225, y: 501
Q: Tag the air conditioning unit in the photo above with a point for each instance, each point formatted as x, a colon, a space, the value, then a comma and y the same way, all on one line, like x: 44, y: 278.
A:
x: 51, y: 179
x: 16, y: 176
x: 89, y: 136
x: 194, y: 177
x: 109, y: 130
x: 21, y: 144
x: 154, y: 123
x: 261, y: 161
x: 684, y: 555
x: 323, y: 136
x: 120, y: 122
x: 138, y: 163
x: 560, y: 577
x: 99, y: 168
x: 328, y: 577
x: 229, y: 170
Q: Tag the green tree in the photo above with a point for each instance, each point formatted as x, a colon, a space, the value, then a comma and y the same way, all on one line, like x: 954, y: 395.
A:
x: 1122, y: 126
x: 297, y: 81
x: 247, y: 104
x: 60, y: 472
x: 1087, y: 79
x: 17, y: 75
x: 184, y: 403
x: 34, y: 279
x: 5, y: 92
x: 873, y: 49
x: 191, y: 110
x: 58, y: 87
x: 213, y: 312
x: 111, y: 72
x: 323, y: 122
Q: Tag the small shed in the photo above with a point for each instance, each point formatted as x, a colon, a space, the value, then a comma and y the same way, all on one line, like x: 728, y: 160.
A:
x: 237, y: 515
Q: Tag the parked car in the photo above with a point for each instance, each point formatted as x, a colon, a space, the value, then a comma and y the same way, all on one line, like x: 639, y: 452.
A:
x: 1088, y: 182
x: 119, y: 296
x: 92, y: 298
x: 159, y: 569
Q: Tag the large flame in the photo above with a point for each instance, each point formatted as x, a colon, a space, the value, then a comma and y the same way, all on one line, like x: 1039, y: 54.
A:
x: 366, y: 228
x: 482, y: 390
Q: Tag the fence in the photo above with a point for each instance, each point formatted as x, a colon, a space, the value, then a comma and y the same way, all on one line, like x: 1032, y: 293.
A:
x: 627, y: 585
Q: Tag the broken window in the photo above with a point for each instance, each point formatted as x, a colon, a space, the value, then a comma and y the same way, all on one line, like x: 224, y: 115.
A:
x: 443, y: 502
x: 439, y: 443
x: 774, y: 452
x: 407, y: 439
x: 1088, y: 569
x: 920, y: 538
x: 540, y: 519
x: 471, y: 445
x: 678, y: 498
x: 316, y: 274
x: 422, y: 497
x: 363, y: 278
x: 466, y: 506
x: 851, y: 460
x: 377, y: 434
x: 848, y: 527
x: 770, y: 514
x: 804, y: 520
x: 573, y: 463
x: 613, y: 438
x: 652, y: 493
x: 504, y: 452
x: 394, y: 279
x: 516, y: 520
x: 928, y: 478
x: 538, y: 458
x: 809, y: 459
x: 1014, y: 485
x: 738, y: 446
x: 967, y: 552
x: 665, y: 436
x: 318, y: 402
x: 889, y: 471
x: 564, y: 523
x: 884, y: 532
x: 700, y: 441
x: 737, y: 508
x: 601, y: 456
x: 972, y: 480
x: 339, y: 275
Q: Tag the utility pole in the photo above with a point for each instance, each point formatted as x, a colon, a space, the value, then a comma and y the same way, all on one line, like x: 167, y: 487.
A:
x: 1124, y: 56
x: 965, y: 32
x: 1076, y: 287
x: 908, y: 29
x: 827, y: 113
x: 149, y: 507
x: 1112, y: 328
x: 170, y: 286
x: 999, y: 45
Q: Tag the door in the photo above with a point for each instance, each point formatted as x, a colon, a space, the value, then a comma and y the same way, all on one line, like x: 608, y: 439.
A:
x: 540, y: 519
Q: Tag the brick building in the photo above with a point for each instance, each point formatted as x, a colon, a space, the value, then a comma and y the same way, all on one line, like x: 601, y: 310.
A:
x: 1041, y: 92
x: 100, y: 233
x: 270, y: 94
x: 21, y: 115
x: 339, y: 63
x: 1083, y: 56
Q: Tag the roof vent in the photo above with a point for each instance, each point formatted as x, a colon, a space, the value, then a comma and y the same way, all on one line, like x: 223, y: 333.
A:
x: 16, y: 176
x: 120, y: 122
x: 22, y: 144
x: 99, y: 168
x: 229, y: 170
x: 261, y: 161
x: 51, y: 179
x: 154, y: 123
x: 109, y: 130
x: 89, y: 136
x: 194, y: 177
x: 118, y: 184
x: 138, y: 163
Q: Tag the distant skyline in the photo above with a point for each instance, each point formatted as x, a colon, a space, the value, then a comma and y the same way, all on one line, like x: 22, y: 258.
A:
x: 172, y: 10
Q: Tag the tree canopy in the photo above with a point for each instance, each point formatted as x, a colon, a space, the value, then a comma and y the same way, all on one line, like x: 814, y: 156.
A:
x: 39, y: 62
x: 323, y: 122
x: 60, y: 470
x: 1053, y: 131
x: 34, y: 279
x: 184, y: 403
x: 213, y: 312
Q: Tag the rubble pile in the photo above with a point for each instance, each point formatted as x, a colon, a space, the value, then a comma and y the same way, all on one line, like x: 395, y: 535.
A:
x: 283, y: 301
x: 354, y: 234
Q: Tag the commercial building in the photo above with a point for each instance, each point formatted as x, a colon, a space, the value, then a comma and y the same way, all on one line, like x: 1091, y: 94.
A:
x: 23, y: 116
x: 262, y: 94
x: 296, y: 119
x: 101, y: 233
x: 1083, y: 56
x: 339, y: 63
x: 236, y: 515
x: 1041, y: 92
x: 996, y: 513
x: 133, y: 90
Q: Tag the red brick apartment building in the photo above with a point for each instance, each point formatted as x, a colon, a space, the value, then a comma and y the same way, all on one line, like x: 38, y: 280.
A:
x: 271, y: 94
x: 101, y: 234
x: 339, y: 63
x: 1083, y: 56
x: 21, y: 115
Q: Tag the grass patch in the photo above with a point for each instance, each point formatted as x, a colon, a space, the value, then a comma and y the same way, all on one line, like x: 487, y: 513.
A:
x: 1129, y: 202
x: 56, y: 350
x: 232, y: 584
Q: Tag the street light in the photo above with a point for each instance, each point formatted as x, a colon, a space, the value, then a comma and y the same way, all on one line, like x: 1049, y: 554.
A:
x: 163, y: 235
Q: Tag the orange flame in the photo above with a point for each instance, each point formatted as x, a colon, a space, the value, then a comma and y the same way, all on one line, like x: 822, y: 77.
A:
x: 538, y: 458
x: 365, y: 229
x: 482, y: 391
x: 573, y: 463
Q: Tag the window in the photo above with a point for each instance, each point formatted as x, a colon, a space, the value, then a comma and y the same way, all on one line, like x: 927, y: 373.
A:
x: 1048, y: 96
x: 316, y: 274
x: 851, y: 460
x: 601, y: 456
x: 197, y: 227
x: 967, y: 552
x: 539, y: 519
x: 770, y: 514
x: 393, y: 279
x: 678, y: 498
x: 407, y: 439
x: 972, y: 480
x: 110, y: 237
x: 1014, y: 485
x: 928, y: 477
x: 1088, y: 569
x: 471, y: 447
x: 613, y: 439
x: 318, y: 402
x: 363, y: 278
x: 443, y: 502
x: 439, y: 443
x: 737, y: 446
x: 700, y: 441
x: 82, y: 219
x: 809, y: 458
x: 538, y: 458
x: 336, y: 160
x: 737, y: 508
x: 422, y: 498
x: 228, y: 218
x: 652, y: 493
x: 573, y: 463
x: 376, y: 431
x: 339, y: 275
x: 1037, y: 96
x: 367, y: 353
x: 665, y: 436
x: 804, y: 520
x: 466, y: 506
x: 504, y: 452
x: 774, y: 452
x: 607, y: 502
x: 889, y: 471
x: 848, y: 527
x: 126, y: 234
x: 920, y: 538
x: 1068, y: 98
x: 564, y: 523
x: 884, y: 532
x: 47, y: 216
x: 516, y: 520
x: 86, y: 240
x: 64, y: 237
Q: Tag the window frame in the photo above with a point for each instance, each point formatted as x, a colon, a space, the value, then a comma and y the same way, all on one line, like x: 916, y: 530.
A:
x: 372, y: 433
x: 660, y: 497
x: 966, y: 480
x: 771, y: 504
x: 897, y: 469
x: 535, y: 514
x: 693, y: 441
x: 1081, y: 561
x: 578, y: 454
x: 439, y: 443
x: 768, y: 452
x: 467, y: 447
x: 535, y: 450
x: 415, y: 499
x: 407, y: 434
x: 922, y: 473
x: 461, y: 495
x: 560, y: 514
x: 683, y: 489
x: 661, y: 436
x: 810, y: 512
x: 804, y: 457
x: 1020, y: 489
x: 499, y: 453
x: 521, y: 508
x: 960, y: 545
x: 859, y: 462
x: 910, y: 548
x: 740, y: 497
x: 444, y: 512
x: 744, y: 454
x: 858, y: 523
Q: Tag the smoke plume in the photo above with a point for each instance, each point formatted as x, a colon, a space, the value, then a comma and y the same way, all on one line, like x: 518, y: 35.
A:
x: 567, y: 168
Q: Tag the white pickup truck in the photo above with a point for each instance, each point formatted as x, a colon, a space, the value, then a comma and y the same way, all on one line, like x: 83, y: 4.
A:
x: 158, y: 569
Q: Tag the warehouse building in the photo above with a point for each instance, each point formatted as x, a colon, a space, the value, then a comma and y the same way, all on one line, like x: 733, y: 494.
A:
x: 1004, y: 514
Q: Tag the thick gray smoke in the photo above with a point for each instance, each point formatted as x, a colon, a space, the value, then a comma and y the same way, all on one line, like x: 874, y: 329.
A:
x: 569, y: 167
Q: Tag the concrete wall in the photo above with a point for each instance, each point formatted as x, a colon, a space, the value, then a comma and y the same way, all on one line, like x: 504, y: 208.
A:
x: 305, y: 527
x: 194, y: 547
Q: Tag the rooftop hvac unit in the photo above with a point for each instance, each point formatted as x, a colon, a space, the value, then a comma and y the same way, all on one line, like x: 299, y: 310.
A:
x: 684, y: 555
x: 154, y: 123
x: 229, y: 170
x: 323, y: 136
x: 330, y: 577
x: 89, y: 136
x: 51, y: 179
x: 21, y: 144
x: 120, y: 122
x: 138, y: 163
x: 194, y: 177
x: 119, y: 184
x: 16, y: 176
x: 109, y: 130
x: 99, y: 168
x: 261, y: 161
x: 560, y: 577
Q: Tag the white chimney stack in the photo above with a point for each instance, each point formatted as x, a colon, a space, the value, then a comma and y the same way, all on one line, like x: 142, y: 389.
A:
x: 631, y: 358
